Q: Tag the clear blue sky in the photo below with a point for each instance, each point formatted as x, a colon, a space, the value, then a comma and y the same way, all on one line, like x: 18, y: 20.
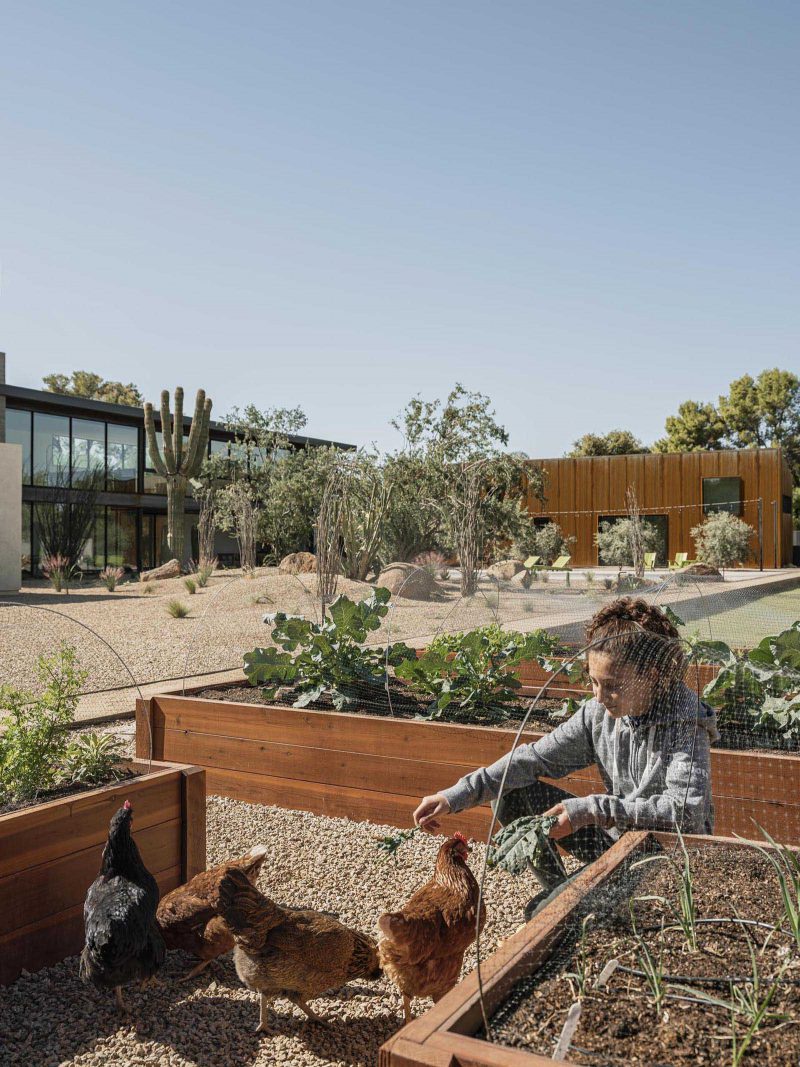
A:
x: 587, y: 210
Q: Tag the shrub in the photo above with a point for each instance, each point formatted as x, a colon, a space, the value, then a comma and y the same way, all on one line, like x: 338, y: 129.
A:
x: 327, y: 658
x: 614, y: 541
x: 190, y: 585
x: 723, y: 540
x: 34, y: 742
x: 549, y: 542
x: 148, y: 589
x: 177, y: 610
x: 92, y: 759
x: 109, y: 576
x: 205, y: 570
x: 59, y: 570
x: 435, y: 563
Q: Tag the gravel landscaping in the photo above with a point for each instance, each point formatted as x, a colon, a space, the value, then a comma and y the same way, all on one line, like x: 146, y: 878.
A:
x: 50, y: 1019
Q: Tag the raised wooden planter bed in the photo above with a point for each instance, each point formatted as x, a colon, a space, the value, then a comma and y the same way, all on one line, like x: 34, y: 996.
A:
x: 445, y: 1036
x: 377, y: 768
x: 50, y: 855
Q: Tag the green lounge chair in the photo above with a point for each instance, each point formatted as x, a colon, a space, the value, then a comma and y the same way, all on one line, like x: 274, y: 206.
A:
x: 532, y: 562
x: 561, y: 564
x: 681, y: 560
x: 649, y: 561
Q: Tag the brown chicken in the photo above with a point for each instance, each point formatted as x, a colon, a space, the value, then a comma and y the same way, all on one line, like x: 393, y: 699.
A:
x: 291, y: 953
x: 423, y: 945
x: 189, y: 916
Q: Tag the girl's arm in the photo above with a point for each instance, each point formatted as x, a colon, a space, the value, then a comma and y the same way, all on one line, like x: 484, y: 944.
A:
x: 568, y: 748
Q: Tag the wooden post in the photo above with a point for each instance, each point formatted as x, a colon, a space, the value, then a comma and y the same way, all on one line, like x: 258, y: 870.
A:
x: 144, y: 730
x: 193, y: 833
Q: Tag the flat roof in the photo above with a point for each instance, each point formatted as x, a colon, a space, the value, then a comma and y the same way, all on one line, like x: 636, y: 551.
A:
x: 126, y: 412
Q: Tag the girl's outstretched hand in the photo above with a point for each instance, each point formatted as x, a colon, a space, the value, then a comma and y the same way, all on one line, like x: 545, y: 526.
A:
x: 562, y: 827
x: 426, y: 817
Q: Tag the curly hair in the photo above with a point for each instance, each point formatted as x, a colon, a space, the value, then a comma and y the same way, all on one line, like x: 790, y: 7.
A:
x: 640, y: 634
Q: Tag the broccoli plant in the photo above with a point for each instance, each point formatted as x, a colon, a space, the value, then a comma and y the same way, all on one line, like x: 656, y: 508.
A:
x: 327, y: 658
x: 472, y: 674
x: 760, y: 687
x: 526, y: 843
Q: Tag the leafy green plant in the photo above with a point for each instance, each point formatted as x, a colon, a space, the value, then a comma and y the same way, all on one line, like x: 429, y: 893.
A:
x: 92, y: 759
x: 392, y: 843
x: 652, y: 966
x: 761, y: 687
x: 329, y: 657
x: 472, y: 673
x: 723, y: 540
x: 177, y: 610
x: 526, y: 844
x: 190, y: 585
x: 110, y: 576
x: 34, y: 741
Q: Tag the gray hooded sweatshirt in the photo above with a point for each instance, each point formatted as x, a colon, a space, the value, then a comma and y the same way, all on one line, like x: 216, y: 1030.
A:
x: 656, y: 768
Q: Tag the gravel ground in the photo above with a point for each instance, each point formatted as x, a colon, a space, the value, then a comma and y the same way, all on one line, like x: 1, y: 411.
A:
x: 49, y: 1019
x: 127, y: 637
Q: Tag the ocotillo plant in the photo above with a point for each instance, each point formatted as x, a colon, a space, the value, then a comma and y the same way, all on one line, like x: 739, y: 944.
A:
x: 178, y: 465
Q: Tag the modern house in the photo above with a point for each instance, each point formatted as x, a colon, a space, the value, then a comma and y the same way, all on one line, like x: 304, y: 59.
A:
x: 675, y: 493
x: 61, y: 436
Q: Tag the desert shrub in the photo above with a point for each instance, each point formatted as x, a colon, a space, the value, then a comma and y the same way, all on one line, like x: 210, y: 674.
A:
x: 148, y: 589
x: 549, y: 542
x: 34, y: 742
x: 327, y: 658
x: 190, y: 585
x: 435, y: 563
x: 109, y: 576
x: 723, y: 540
x: 614, y: 541
x: 92, y: 759
x: 177, y: 610
x: 204, y: 572
x: 59, y: 571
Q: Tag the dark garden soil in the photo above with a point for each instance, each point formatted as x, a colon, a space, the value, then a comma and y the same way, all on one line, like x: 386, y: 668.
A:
x: 374, y: 701
x: 619, y: 1024
x: 72, y: 790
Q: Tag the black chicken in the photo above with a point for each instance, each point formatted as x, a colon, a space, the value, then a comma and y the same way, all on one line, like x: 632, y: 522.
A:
x: 123, y: 942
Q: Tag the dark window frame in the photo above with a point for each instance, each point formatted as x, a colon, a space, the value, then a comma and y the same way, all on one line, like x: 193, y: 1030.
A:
x: 724, y: 505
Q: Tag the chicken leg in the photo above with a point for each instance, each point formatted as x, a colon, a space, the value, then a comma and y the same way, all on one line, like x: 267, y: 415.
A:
x: 300, y: 1001
x: 201, y: 966
x: 123, y: 1007
x: 407, y: 1008
x: 262, y: 1027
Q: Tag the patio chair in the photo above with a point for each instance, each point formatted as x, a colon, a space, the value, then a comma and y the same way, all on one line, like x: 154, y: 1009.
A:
x: 649, y: 561
x: 532, y: 562
x: 681, y: 560
x: 561, y: 564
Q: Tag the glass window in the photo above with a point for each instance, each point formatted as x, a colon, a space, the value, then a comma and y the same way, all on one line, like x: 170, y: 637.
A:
x: 123, y: 458
x: 121, y: 538
x: 154, y: 483
x: 722, y: 494
x: 27, y: 543
x: 93, y: 555
x: 148, y: 541
x: 18, y: 432
x: 50, y: 449
x: 88, y: 450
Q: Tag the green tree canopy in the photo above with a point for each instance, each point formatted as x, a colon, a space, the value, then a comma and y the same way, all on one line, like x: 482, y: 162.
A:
x: 613, y: 443
x: 93, y: 387
x: 762, y: 412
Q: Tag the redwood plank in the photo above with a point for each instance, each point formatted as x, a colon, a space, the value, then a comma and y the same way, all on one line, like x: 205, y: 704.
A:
x: 47, y: 831
x: 30, y: 895
x: 57, y: 936
x: 193, y: 825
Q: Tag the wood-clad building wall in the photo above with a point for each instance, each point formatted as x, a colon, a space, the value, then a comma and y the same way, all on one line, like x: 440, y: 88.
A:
x: 581, y: 490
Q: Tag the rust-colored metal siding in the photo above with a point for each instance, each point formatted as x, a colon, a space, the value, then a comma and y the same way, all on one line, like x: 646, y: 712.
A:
x: 580, y: 490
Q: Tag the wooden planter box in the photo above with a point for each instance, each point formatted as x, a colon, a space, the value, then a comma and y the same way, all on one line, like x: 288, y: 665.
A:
x: 50, y: 854
x: 377, y: 768
x: 444, y: 1035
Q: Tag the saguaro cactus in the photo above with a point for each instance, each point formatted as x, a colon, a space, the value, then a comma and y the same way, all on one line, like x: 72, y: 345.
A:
x: 177, y: 465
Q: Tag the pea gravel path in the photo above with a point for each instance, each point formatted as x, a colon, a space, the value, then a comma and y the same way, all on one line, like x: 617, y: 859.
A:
x: 50, y: 1019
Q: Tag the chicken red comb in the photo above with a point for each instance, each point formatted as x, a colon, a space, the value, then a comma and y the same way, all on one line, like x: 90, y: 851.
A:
x: 127, y: 805
x: 460, y: 837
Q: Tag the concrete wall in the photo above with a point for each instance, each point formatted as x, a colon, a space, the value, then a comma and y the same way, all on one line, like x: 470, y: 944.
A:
x: 10, y: 518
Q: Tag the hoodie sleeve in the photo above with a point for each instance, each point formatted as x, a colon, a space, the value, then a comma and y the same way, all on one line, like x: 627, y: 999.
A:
x: 568, y: 748
x: 684, y: 801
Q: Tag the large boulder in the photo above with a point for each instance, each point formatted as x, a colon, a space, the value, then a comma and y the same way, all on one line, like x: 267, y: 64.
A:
x: 171, y: 569
x: 701, y: 570
x: 298, y: 563
x: 407, y: 580
x: 505, y: 569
